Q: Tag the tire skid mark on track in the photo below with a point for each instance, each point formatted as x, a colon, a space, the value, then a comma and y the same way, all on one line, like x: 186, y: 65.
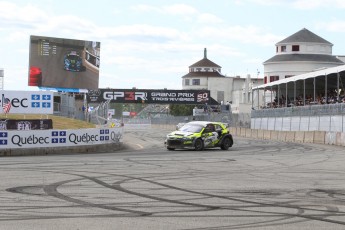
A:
x: 52, y: 191
x: 299, y: 209
x: 117, y: 186
x: 301, y: 206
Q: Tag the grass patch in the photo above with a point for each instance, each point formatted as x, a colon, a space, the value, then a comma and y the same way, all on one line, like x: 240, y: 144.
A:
x: 58, y: 121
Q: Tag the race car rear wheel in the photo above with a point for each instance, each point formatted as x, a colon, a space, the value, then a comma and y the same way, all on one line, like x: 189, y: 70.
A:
x: 198, y: 145
x: 169, y: 148
x: 226, y: 144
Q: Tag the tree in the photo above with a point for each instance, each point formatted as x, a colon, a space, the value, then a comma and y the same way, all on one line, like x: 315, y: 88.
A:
x: 181, y: 110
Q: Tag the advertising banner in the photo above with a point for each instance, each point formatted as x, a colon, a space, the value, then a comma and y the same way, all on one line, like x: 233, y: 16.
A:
x: 149, y: 96
x: 26, y: 124
x: 59, y: 138
x: 29, y: 102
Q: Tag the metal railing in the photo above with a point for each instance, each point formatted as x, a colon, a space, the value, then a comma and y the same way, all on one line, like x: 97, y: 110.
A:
x: 99, y: 115
x: 311, y: 110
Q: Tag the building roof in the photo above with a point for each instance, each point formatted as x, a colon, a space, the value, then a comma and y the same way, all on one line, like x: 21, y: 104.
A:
x: 205, y: 62
x: 304, y: 35
x: 304, y: 57
x: 323, y: 72
x: 203, y: 74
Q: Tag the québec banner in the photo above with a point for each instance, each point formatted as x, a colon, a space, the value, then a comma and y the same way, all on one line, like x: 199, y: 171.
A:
x: 28, y: 102
x: 149, y: 96
x: 59, y: 138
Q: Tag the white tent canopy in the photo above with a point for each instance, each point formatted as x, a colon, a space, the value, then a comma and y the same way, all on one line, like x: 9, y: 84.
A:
x: 314, y: 74
x: 326, y: 83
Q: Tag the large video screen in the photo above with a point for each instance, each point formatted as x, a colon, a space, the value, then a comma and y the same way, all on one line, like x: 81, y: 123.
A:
x: 63, y: 63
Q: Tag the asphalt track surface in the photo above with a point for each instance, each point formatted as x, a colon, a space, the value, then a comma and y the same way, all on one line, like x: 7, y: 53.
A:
x: 256, y: 184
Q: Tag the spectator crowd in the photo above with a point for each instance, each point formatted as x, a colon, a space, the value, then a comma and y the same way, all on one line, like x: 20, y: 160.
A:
x: 320, y: 99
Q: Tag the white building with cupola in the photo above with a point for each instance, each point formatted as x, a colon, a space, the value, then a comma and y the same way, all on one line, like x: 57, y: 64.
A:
x: 300, y: 53
x: 236, y: 90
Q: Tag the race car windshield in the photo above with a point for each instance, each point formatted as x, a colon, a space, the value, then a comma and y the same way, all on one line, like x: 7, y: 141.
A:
x: 191, y: 128
x: 73, y: 57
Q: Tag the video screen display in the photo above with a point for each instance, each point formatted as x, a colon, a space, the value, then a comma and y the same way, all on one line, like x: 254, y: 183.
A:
x: 63, y: 63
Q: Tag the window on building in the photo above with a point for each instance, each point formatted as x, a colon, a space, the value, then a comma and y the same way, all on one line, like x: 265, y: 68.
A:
x: 265, y: 80
x: 191, y: 70
x: 287, y: 76
x: 277, y: 49
x: 198, y: 69
x: 295, y: 48
x: 283, y: 48
x: 186, y: 81
x: 196, y: 82
x: 274, y: 78
x: 206, y: 69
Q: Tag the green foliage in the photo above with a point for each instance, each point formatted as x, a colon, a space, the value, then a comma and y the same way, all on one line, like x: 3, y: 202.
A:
x: 181, y: 110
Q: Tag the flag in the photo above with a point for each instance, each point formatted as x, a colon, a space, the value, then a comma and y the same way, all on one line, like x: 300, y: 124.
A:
x: 6, y: 105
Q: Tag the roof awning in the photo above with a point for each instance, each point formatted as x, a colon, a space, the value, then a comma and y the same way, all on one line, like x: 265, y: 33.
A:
x: 323, y: 72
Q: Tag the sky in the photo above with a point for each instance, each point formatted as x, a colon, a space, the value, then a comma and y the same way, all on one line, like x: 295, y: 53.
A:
x: 149, y: 44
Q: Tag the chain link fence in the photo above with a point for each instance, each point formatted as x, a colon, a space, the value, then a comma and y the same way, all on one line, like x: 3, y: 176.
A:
x: 99, y: 115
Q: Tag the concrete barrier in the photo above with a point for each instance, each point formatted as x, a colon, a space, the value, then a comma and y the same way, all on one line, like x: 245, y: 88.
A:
x: 267, y: 134
x: 243, y: 132
x: 330, y: 138
x: 282, y: 136
x: 299, y: 136
x: 238, y: 131
x: 103, y: 148
x: 232, y: 131
x: 254, y: 133
x: 248, y: 133
x: 319, y: 137
x: 340, y: 139
x: 275, y: 135
x: 290, y: 137
x: 261, y: 134
x: 309, y: 137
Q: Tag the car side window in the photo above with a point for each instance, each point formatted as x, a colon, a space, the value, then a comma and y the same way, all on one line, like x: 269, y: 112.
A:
x: 209, y: 128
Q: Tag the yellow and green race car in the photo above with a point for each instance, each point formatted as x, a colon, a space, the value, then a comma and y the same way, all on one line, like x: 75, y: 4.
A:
x: 199, y: 135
